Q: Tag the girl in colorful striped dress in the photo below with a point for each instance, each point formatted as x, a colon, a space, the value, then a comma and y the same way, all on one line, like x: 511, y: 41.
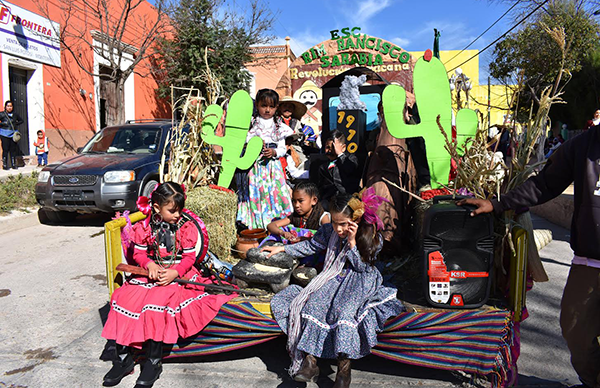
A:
x: 268, y: 194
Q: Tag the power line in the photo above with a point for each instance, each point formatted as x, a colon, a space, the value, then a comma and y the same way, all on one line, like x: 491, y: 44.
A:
x: 480, y: 35
x: 501, y: 36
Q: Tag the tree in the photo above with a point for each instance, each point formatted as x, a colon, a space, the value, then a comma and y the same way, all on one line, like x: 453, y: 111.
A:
x: 109, y: 39
x: 228, y: 35
x: 534, y: 52
x: 533, y: 55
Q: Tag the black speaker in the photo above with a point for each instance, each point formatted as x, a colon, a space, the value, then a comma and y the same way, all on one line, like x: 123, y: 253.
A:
x: 458, y: 251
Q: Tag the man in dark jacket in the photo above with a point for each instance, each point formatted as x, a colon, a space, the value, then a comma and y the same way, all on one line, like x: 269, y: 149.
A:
x: 578, y: 161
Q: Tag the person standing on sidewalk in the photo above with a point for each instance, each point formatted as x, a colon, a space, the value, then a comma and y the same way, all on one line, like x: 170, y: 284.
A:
x: 41, y: 148
x: 9, y: 121
x: 576, y: 161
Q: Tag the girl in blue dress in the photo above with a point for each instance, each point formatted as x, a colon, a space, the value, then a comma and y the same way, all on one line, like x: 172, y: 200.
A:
x: 339, y: 313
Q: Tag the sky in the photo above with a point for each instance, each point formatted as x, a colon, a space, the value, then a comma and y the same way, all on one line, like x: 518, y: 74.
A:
x: 409, y: 24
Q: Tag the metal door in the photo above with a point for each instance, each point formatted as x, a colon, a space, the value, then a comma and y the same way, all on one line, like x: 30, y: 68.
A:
x: 18, y: 93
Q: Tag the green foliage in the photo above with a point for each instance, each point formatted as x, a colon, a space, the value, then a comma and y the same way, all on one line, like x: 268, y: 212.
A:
x: 201, y: 24
x: 583, y: 95
x: 17, y: 192
x: 432, y: 93
x: 535, y: 53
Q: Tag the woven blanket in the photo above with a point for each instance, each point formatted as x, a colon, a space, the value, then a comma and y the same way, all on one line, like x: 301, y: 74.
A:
x: 472, y: 341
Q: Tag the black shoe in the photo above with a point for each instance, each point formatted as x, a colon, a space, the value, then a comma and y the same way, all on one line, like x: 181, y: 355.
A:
x: 151, y: 370
x: 119, y: 370
x: 13, y: 162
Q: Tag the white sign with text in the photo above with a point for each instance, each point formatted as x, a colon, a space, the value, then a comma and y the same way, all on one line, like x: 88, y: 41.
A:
x: 28, y: 35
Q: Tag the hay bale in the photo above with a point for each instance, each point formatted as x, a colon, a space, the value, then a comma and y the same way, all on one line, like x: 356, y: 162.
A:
x: 218, y: 210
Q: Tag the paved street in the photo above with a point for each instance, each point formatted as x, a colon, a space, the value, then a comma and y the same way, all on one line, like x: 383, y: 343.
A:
x: 52, y: 294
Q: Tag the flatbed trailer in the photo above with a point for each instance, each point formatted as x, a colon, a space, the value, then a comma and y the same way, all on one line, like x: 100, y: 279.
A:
x: 476, y: 341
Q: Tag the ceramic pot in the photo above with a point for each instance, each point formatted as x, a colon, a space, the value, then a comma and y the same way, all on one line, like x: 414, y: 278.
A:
x: 243, y: 244
x: 258, y: 234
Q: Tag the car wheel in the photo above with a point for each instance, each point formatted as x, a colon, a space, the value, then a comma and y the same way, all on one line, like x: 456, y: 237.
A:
x: 149, y: 187
x: 47, y: 217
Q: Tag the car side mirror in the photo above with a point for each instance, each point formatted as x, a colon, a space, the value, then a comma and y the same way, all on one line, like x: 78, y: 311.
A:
x: 79, y: 149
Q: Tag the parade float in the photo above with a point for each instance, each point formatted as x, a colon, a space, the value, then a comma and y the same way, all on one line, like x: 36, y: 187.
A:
x: 462, y: 279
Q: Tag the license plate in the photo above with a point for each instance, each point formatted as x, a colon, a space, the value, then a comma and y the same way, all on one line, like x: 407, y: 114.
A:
x: 73, y: 195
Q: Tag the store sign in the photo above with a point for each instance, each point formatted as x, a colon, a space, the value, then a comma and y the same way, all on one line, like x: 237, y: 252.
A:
x: 28, y: 35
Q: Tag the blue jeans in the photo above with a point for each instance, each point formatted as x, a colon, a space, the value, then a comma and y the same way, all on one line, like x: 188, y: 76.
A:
x: 42, y: 159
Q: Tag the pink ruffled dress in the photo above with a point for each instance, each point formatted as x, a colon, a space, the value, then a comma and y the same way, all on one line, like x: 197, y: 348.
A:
x: 143, y: 310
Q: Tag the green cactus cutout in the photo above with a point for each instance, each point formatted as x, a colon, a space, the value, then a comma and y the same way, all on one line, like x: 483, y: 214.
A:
x: 237, y: 124
x: 432, y: 93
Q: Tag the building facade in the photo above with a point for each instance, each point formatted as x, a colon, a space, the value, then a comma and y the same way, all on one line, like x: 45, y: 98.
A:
x: 53, y: 65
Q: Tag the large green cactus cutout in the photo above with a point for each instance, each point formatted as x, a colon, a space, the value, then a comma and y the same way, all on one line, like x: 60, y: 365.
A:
x: 237, y: 123
x: 432, y: 93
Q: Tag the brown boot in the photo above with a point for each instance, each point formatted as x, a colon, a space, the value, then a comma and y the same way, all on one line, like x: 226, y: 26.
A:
x: 309, y: 371
x: 342, y: 377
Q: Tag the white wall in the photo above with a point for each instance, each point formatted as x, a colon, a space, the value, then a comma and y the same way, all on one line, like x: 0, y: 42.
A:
x: 35, y: 93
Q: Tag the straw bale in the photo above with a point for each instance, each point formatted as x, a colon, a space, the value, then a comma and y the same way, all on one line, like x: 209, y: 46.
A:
x: 218, y: 210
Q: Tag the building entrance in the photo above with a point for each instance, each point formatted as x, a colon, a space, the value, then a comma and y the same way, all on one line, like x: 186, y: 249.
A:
x: 18, y: 93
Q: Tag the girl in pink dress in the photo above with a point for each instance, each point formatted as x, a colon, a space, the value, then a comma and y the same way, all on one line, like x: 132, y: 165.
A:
x: 153, y: 310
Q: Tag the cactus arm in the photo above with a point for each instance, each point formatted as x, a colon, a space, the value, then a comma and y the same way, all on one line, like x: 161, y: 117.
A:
x: 211, y: 118
x: 466, y: 127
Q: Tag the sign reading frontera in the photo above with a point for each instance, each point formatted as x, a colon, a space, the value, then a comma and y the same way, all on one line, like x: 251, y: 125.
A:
x: 28, y: 35
x: 352, y: 41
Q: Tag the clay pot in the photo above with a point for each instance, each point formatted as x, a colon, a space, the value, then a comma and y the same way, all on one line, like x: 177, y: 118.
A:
x: 249, y: 238
x: 244, y: 244
x: 258, y: 234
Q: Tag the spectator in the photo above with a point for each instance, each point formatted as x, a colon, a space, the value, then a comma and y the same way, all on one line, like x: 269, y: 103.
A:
x: 9, y: 122
x: 41, y: 148
x: 594, y: 121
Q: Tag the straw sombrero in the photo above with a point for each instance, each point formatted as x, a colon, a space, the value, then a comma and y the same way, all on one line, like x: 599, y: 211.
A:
x: 299, y: 108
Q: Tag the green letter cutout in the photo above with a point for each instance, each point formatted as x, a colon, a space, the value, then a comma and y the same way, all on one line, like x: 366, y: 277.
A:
x: 237, y: 124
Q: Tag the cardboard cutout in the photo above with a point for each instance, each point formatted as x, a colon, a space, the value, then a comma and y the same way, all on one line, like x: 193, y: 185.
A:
x: 432, y: 94
x: 237, y: 124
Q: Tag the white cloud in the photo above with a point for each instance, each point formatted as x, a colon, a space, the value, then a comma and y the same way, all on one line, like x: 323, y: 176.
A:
x: 302, y: 41
x: 402, y: 42
x: 367, y: 9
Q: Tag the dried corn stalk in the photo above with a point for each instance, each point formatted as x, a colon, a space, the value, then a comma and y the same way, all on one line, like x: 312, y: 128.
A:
x: 188, y: 159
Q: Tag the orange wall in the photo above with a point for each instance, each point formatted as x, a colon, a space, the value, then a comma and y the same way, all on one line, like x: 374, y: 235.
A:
x: 65, y: 110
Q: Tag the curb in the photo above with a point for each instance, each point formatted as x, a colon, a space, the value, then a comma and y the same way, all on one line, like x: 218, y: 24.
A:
x: 19, y: 221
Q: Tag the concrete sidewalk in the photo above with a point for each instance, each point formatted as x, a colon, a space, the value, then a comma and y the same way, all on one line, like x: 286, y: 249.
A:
x: 26, y: 170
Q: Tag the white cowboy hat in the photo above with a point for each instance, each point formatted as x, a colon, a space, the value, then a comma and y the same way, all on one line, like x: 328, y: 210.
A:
x: 299, y: 108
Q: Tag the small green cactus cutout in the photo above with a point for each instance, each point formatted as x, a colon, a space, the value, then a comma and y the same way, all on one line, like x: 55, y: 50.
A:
x: 432, y: 93
x: 237, y: 124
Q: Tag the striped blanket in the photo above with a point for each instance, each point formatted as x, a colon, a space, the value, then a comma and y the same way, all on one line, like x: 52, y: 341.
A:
x: 474, y: 341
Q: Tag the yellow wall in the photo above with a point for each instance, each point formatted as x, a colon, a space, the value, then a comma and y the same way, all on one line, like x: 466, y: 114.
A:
x: 500, y: 96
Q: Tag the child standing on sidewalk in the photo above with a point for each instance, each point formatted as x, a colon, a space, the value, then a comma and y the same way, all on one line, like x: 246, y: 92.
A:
x: 41, y: 148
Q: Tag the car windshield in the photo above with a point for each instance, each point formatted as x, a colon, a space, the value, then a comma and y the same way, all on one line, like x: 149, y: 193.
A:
x: 124, y: 140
